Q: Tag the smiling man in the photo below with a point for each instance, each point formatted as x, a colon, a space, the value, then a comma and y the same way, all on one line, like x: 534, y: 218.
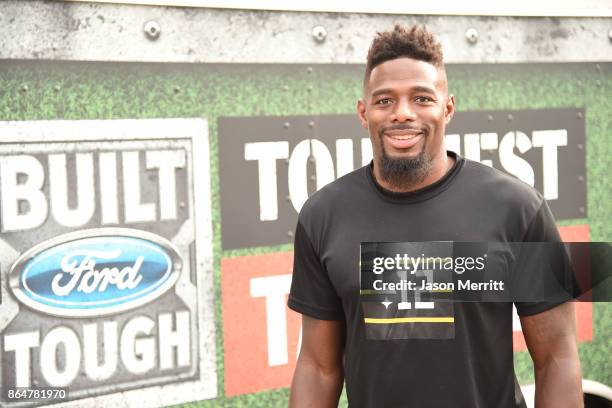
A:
x: 406, y: 107
x: 420, y: 354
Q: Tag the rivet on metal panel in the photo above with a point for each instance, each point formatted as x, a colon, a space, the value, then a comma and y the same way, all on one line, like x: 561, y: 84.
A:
x: 311, y: 159
x: 290, y: 234
x: 490, y: 117
x: 182, y: 204
x: 581, y: 209
x: 510, y: 117
x: 311, y: 124
x: 288, y: 198
x: 286, y: 125
x: 580, y: 146
x: 580, y: 178
x: 152, y: 30
x: 319, y: 33
x: 471, y: 35
x: 177, y: 89
x: 24, y: 88
x: 312, y: 178
x: 57, y: 88
x: 309, y: 70
x: 579, y: 115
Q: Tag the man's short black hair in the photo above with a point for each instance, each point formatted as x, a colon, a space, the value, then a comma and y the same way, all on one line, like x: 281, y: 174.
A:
x: 416, y: 43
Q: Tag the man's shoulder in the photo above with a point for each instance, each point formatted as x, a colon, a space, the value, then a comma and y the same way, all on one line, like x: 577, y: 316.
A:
x: 335, y: 195
x: 497, y: 186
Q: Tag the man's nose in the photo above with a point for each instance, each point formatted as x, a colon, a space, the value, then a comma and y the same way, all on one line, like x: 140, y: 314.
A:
x: 403, y: 111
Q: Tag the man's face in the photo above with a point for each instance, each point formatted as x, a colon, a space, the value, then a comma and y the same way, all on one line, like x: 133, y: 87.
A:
x: 406, y: 108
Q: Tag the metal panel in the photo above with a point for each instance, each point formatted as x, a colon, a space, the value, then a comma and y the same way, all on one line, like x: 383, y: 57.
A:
x: 575, y: 8
x: 110, y: 32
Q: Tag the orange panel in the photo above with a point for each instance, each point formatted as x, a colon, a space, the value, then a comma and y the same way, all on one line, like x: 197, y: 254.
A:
x: 575, y: 233
x: 245, y: 336
x: 584, y: 310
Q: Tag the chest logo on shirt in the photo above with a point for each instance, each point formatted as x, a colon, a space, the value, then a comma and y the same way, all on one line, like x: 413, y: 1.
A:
x: 406, y: 288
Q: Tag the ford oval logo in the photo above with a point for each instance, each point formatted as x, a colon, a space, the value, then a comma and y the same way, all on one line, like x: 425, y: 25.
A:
x: 95, y: 272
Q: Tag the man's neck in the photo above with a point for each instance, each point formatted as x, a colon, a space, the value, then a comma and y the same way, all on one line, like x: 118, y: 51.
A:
x: 440, y: 166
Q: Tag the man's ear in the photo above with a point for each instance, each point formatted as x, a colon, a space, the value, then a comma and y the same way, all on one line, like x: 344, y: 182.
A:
x: 449, y: 109
x: 361, y: 110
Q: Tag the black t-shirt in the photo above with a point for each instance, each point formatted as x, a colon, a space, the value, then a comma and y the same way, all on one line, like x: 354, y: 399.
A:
x: 465, y: 361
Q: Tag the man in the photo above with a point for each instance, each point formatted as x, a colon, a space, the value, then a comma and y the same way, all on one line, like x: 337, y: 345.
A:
x: 416, y: 191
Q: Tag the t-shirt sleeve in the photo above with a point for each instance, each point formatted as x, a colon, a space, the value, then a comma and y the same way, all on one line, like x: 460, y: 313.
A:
x: 312, y: 292
x: 543, y: 276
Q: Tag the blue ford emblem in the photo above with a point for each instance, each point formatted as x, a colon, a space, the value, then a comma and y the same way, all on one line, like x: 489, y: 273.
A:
x: 95, y: 272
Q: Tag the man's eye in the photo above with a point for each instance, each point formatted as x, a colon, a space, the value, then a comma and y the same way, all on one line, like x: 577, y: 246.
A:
x: 423, y: 99
x: 383, y: 101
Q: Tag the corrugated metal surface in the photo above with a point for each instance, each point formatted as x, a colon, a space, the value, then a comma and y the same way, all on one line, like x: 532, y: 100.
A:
x: 111, y: 32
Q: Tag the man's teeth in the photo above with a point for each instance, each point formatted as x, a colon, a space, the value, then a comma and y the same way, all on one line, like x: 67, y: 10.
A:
x: 404, y: 137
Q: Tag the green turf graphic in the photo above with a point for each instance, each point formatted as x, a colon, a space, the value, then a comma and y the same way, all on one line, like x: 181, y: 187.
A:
x: 70, y: 90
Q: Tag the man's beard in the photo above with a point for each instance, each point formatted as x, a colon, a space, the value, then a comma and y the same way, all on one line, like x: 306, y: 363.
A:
x: 401, y: 173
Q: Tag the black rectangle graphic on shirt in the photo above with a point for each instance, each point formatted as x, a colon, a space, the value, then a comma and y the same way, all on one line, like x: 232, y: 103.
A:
x: 394, y: 303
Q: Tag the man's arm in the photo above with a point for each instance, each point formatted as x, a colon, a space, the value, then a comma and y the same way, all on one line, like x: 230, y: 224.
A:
x: 551, y: 339
x: 319, y: 374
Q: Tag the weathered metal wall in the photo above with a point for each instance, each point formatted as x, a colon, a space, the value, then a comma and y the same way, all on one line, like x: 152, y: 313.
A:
x: 107, y: 32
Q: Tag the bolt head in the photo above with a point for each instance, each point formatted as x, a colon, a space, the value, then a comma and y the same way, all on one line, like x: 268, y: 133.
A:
x: 319, y: 33
x: 152, y: 30
x: 471, y: 35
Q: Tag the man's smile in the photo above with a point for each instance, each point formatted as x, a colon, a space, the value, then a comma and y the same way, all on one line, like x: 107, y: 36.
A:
x: 403, y: 138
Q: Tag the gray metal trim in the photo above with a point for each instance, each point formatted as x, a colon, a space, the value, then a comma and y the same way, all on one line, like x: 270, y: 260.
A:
x: 542, y: 8
x: 112, y: 32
